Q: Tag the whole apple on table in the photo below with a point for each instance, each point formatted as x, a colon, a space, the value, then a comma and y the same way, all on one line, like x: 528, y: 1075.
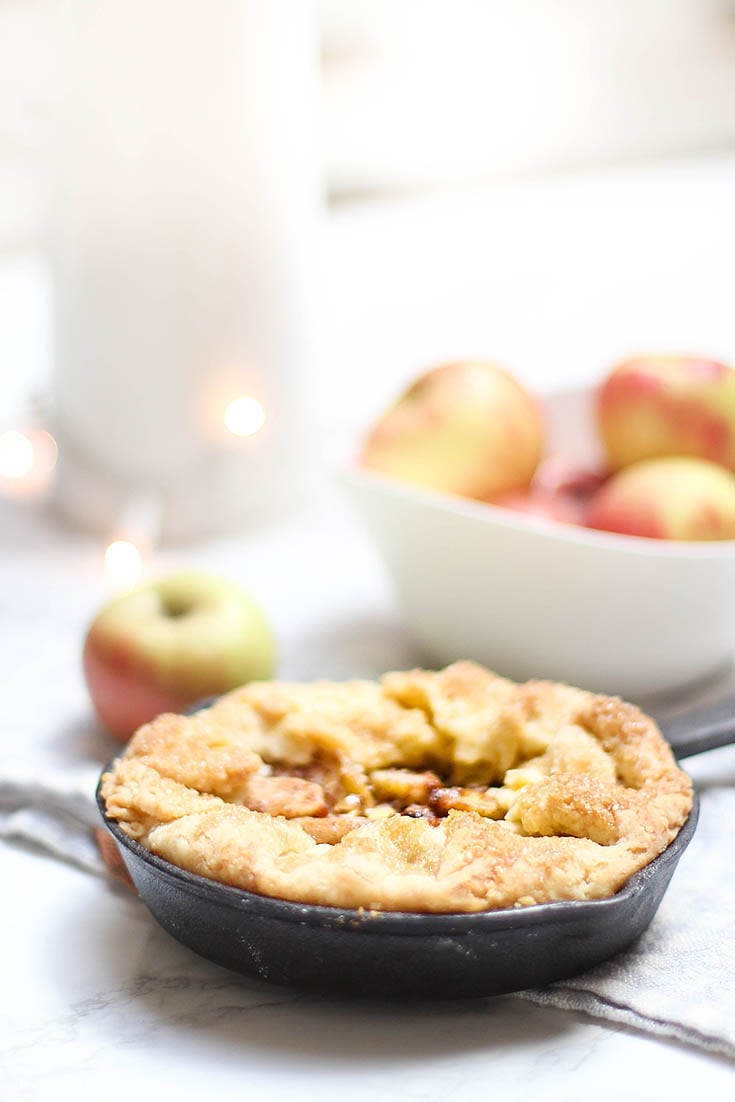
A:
x: 666, y: 426
x: 170, y: 642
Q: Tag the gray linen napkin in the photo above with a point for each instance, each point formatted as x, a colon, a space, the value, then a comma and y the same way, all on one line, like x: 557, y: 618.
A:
x: 56, y: 813
x: 678, y: 980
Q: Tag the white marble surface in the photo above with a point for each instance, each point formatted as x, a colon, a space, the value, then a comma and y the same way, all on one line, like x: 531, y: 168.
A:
x: 94, y: 996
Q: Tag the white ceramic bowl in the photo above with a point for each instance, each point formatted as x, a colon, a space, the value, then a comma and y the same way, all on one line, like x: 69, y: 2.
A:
x: 531, y: 598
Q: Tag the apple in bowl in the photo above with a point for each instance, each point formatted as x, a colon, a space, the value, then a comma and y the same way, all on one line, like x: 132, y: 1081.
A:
x: 560, y: 492
x: 652, y: 406
x: 674, y: 498
x: 467, y: 428
x: 171, y: 641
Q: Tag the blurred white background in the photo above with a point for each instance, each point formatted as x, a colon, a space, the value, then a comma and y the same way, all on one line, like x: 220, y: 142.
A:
x: 453, y: 90
x: 544, y: 182
x: 419, y: 93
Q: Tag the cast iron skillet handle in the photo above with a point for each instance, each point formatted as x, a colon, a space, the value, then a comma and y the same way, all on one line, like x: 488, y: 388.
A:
x: 705, y: 728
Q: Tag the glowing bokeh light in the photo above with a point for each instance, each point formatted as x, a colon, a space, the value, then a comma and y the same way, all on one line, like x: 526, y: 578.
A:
x: 244, y: 416
x: 16, y: 455
x: 124, y: 563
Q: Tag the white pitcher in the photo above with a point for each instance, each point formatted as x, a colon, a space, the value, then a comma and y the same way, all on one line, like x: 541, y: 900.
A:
x: 184, y: 228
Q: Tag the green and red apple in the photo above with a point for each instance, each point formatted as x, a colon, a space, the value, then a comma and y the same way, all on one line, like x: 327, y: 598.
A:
x: 652, y: 406
x: 467, y: 428
x: 169, y: 642
x: 675, y: 498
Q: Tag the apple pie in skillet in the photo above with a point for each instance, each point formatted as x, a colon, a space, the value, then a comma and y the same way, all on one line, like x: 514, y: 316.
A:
x: 446, y: 792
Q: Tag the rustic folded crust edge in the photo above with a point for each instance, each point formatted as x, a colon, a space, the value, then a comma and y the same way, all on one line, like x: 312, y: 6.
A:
x: 427, y: 791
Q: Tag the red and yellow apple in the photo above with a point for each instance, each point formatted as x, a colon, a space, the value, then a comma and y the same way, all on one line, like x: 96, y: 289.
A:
x: 653, y: 406
x: 676, y: 498
x: 169, y: 642
x: 466, y: 428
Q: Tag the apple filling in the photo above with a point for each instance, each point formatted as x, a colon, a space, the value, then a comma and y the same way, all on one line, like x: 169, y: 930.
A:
x: 455, y: 790
x: 328, y: 805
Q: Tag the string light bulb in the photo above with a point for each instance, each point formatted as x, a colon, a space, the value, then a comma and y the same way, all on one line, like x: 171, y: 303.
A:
x: 16, y: 455
x: 27, y: 461
x: 244, y: 416
x: 124, y: 563
x: 135, y: 538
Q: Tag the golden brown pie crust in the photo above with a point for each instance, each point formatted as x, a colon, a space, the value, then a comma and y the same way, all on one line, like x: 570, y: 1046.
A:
x: 449, y: 791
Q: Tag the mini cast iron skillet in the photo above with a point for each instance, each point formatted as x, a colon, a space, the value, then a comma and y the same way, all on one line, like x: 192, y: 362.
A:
x: 414, y: 955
